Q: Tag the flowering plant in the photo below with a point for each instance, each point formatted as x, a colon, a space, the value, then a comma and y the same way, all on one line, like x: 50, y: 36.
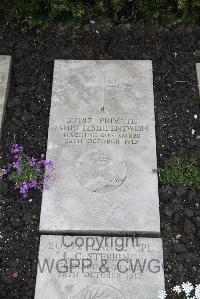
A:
x: 184, y: 291
x: 26, y: 172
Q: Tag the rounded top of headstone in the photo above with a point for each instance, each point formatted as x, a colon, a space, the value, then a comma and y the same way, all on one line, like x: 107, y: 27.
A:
x: 100, y: 171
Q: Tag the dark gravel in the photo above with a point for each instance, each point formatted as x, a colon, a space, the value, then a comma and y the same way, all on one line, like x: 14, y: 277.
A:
x: 174, y: 54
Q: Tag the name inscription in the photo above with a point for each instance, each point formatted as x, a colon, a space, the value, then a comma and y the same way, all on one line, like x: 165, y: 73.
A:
x: 101, y: 257
x: 101, y: 130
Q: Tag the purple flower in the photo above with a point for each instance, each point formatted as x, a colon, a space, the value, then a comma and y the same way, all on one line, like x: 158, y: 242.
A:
x: 24, y: 190
x: 42, y: 156
x: 19, y: 170
x: 37, y: 170
x: 33, y: 184
x: 24, y: 187
x: 33, y: 161
x: 48, y: 164
x: 18, y: 159
x: 16, y: 149
x: 16, y: 165
x: 5, y: 170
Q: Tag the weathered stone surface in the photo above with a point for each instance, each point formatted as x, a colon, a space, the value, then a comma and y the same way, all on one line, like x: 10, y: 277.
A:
x: 5, y: 62
x: 198, y: 74
x: 99, y: 268
x: 102, y: 140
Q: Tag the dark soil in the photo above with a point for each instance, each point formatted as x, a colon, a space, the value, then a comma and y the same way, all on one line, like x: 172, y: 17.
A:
x: 174, y: 54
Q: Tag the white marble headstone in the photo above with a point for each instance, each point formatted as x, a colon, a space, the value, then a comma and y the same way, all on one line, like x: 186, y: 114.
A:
x: 5, y: 62
x: 198, y: 74
x: 102, y: 140
x: 99, y: 268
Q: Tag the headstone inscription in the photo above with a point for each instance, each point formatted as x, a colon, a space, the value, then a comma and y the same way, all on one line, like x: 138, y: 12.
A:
x: 97, y: 267
x: 5, y: 63
x: 102, y: 140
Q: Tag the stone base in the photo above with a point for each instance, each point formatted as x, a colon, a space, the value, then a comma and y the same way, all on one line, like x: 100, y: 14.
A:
x: 94, y: 267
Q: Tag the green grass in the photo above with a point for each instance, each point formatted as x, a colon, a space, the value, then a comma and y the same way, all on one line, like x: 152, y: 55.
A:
x: 166, y: 226
x: 179, y: 172
x: 31, y: 13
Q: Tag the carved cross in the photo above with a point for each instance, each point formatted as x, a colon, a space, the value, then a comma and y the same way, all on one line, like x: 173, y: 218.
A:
x: 104, y: 87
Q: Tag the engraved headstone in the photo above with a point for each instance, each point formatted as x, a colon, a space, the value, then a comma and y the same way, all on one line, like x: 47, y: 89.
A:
x: 102, y: 140
x: 99, y: 268
x: 5, y: 62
